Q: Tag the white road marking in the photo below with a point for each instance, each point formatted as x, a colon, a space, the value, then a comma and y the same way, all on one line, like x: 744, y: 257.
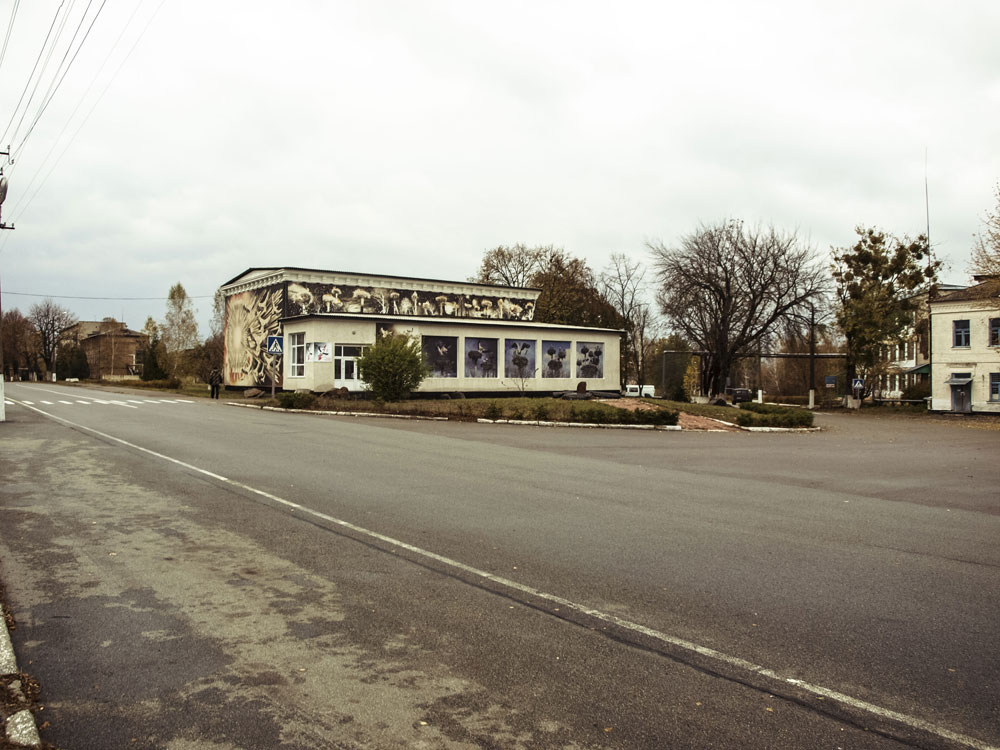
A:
x: 29, y: 403
x: 65, y: 402
x: 511, y: 585
x: 122, y: 403
x: 184, y: 401
x: 150, y: 401
x: 134, y: 401
x: 48, y: 403
x: 85, y: 403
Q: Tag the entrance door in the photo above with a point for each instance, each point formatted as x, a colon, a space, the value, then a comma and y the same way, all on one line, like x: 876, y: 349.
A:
x: 345, y: 367
x: 961, y: 398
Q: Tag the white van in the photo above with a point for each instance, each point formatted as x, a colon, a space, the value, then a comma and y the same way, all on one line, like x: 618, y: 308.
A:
x: 633, y: 391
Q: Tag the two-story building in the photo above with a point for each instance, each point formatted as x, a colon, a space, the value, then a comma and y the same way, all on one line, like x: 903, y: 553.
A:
x: 965, y: 348
x: 113, y: 350
x: 476, y: 338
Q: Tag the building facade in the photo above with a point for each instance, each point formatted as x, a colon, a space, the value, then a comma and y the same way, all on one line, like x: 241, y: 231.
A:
x: 965, y: 349
x: 906, y: 362
x: 113, y: 350
x: 476, y: 338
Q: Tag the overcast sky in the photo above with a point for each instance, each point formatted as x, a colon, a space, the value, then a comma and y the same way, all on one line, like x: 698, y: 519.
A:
x: 408, y: 137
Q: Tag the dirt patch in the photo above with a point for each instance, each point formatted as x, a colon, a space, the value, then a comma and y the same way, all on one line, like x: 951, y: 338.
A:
x: 694, y: 422
x: 685, y: 420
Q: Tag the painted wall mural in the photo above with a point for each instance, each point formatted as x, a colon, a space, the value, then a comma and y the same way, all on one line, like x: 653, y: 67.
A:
x: 555, y: 359
x: 441, y: 355
x: 480, y: 358
x: 589, y: 360
x: 314, y: 299
x: 250, y: 318
x: 519, y: 358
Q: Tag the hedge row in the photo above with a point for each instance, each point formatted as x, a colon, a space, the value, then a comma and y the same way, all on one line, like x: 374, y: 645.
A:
x: 585, y: 415
x: 771, y: 415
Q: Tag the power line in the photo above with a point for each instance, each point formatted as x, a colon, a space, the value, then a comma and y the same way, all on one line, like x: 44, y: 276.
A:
x: 54, y: 87
x: 86, y: 119
x: 32, y: 74
x: 112, y: 299
x: 10, y: 27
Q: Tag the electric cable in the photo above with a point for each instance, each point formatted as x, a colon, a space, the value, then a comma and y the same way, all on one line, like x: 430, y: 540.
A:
x: 54, y: 89
x: 33, y: 69
x: 55, y: 143
x: 10, y: 27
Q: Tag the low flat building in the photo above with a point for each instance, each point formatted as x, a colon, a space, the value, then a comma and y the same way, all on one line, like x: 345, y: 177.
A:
x: 476, y: 338
x: 965, y: 349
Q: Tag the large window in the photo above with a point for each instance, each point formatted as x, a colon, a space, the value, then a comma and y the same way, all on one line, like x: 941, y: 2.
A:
x: 961, y: 333
x: 995, y: 386
x: 297, y: 350
x: 994, y: 331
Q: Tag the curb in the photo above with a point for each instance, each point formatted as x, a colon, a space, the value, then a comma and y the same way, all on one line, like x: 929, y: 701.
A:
x: 19, y: 727
x: 531, y: 422
x: 339, y: 413
x: 590, y: 425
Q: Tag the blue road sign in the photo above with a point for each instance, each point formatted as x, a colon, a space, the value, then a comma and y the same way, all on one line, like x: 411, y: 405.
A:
x: 859, y: 383
x: 274, y: 345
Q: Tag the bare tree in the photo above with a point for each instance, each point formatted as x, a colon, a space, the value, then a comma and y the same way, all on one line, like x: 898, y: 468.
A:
x: 20, y: 344
x: 726, y: 286
x: 511, y: 266
x: 49, y: 320
x: 622, y: 285
x: 179, y: 330
x: 986, y: 246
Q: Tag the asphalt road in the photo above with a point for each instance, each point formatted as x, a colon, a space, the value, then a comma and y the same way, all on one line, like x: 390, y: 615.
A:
x: 188, y: 575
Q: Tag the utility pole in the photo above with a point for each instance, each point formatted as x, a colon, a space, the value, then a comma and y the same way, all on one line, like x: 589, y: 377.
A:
x: 3, y: 195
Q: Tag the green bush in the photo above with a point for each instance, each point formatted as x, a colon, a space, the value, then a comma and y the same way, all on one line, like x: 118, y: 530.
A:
x: 296, y: 399
x: 918, y: 390
x: 493, y: 411
x: 753, y: 414
x: 661, y: 417
x: 540, y: 412
x: 392, y: 368
x: 166, y: 384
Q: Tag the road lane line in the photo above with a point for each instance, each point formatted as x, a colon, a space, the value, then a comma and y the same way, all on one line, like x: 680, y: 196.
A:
x: 720, y: 657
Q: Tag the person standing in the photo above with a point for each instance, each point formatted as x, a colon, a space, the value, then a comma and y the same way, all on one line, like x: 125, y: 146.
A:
x: 214, y: 381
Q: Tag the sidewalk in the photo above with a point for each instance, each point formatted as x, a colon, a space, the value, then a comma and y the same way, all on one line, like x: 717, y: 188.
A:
x: 17, y: 719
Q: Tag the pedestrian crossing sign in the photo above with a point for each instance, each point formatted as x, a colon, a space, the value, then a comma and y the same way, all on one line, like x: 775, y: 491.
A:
x: 274, y: 345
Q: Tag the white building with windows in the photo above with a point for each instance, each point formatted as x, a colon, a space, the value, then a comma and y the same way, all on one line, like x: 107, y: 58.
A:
x: 476, y: 338
x: 965, y: 349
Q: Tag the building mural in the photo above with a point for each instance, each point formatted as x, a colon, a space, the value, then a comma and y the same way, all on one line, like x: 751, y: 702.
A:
x: 314, y: 299
x: 480, y: 358
x: 554, y: 361
x: 481, y: 346
x: 441, y: 355
x: 519, y: 358
x: 250, y: 318
x: 588, y: 360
